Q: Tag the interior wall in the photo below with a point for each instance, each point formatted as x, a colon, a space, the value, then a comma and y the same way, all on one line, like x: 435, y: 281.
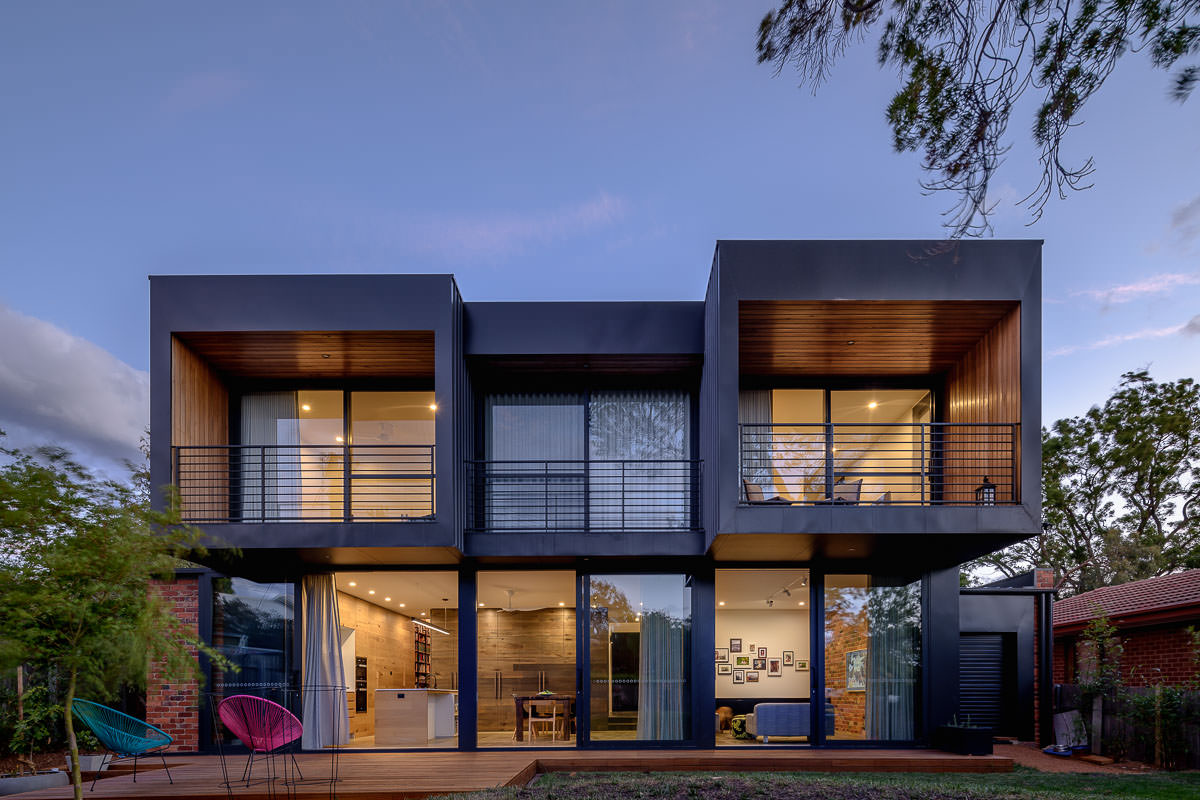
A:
x: 199, y: 416
x: 985, y: 386
x: 515, y: 647
x: 385, y: 639
x: 777, y: 630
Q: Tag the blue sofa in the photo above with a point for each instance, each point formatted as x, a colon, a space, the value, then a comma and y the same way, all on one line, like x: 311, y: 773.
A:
x: 783, y: 719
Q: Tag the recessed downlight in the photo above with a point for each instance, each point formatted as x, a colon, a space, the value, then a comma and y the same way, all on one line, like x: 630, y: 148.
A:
x: 370, y: 591
x: 306, y: 407
x: 352, y: 583
x: 338, y: 439
x: 721, y: 603
x: 433, y: 406
x: 402, y: 605
x: 387, y: 599
x: 562, y: 605
x: 872, y: 404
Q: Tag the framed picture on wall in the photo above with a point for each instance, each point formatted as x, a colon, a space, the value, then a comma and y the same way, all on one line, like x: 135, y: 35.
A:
x: 741, y: 661
x: 751, y: 677
x: 760, y: 663
x: 752, y: 650
x: 802, y: 666
x: 789, y: 657
x: 762, y: 652
x: 735, y: 645
x: 856, y: 670
x: 739, y: 676
x: 722, y: 655
x: 774, y: 668
x: 724, y: 669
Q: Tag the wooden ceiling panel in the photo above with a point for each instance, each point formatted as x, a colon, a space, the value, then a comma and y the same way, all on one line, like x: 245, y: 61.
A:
x: 796, y: 337
x: 316, y: 354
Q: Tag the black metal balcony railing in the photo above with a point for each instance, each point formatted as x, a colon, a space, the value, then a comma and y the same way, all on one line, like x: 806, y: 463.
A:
x: 305, y: 483
x: 583, y: 495
x: 939, y: 463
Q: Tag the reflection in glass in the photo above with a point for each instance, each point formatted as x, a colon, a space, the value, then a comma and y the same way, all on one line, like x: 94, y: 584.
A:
x: 882, y: 443
x: 872, y: 657
x: 640, y: 638
x: 390, y: 482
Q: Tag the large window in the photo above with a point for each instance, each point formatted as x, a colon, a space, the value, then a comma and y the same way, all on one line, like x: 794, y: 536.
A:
x: 616, y: 460
x: 640, y: 631
x: 872, y: 657
x: 302, y: 454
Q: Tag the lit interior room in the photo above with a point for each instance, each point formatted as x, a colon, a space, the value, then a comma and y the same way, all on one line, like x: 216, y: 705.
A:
x: 525, y: 623
x: 764, y: 680
x: 399, y: 652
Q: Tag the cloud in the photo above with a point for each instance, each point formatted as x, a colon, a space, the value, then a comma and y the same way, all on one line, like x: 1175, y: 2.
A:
x: 203, y: 90
x: 507, y: 233
x: 1185, y: 220
x: 1155, y: 284
x: 57, y: 388
x: 1191, y: 328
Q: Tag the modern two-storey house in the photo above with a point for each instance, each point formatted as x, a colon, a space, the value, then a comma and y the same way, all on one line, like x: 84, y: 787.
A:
x: 604, y: 524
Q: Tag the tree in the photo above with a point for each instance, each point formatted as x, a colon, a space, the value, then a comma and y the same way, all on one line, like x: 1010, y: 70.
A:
x: 964, y: 66
x: 1121, y: 489
x: 77, y: 554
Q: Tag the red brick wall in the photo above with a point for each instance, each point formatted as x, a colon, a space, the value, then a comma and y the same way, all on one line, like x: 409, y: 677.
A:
x: 845, y: 632
x: 174, y: 707
x: 1152, y: 656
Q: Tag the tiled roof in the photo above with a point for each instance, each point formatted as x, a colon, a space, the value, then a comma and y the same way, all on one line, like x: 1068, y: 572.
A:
x: 1139, y: 597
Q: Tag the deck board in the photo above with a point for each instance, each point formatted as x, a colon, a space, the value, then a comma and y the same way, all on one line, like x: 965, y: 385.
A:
x: 399, y: 776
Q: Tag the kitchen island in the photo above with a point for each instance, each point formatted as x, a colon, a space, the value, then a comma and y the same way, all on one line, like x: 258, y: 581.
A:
x: 408, y: 717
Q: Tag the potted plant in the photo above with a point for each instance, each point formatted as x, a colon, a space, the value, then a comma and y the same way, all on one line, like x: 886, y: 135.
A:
x: 963, y: 738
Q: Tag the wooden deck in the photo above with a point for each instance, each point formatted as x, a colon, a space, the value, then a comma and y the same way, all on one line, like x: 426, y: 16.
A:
x: 397, y: 776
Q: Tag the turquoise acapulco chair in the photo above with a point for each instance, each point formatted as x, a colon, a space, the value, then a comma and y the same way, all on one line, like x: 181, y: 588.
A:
x: 122, y: 735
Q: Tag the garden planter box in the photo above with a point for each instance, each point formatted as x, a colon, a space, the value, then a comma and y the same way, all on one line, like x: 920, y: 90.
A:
x: 88, y: 763
x: 963, y: 740
x: 29, y: 783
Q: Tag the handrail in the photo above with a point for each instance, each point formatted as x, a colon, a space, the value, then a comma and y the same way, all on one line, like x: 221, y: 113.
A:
x: 858, y: 463
x: 306, y: 483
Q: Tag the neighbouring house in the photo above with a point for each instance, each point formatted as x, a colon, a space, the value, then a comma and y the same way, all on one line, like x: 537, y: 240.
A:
x: 603, y: 524
x: 1154, y: 619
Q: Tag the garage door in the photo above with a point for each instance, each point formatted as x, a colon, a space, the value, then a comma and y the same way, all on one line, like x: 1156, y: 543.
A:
x: 984, y: 683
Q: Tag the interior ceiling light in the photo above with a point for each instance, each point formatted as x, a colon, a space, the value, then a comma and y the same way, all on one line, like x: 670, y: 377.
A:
x: 721, y: 603
x: 338, y: 439
x: 433, y: 406
x: 372, y: 591
x: 402, y: 605
x: 433, y: 628
x: 800, y: 603
x: 562, y: 604
x: 387, y: 599
x: 352, y: 583
x: 850, y: 341
x: 481, y: 605
x: 872, y: 404
x: 306, y: 407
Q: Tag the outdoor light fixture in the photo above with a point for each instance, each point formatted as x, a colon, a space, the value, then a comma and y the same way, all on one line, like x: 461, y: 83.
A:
x: 851, y: 341
x: 985, y: 495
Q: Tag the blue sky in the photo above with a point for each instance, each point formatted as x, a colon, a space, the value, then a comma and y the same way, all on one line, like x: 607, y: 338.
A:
x: 536, y: 150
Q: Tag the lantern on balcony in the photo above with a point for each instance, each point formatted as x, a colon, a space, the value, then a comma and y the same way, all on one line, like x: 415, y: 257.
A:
x: 985, y: 495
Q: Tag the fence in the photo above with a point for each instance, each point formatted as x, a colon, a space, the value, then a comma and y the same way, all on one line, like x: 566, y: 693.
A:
x: 1156, y: 726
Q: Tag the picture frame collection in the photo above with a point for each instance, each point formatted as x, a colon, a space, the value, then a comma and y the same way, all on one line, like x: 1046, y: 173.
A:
x: 749, y: 667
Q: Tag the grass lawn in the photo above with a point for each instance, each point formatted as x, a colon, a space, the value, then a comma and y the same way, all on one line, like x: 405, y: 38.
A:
x: 1021, y: 783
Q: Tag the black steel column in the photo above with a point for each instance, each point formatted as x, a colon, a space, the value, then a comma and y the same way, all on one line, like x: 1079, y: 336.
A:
x: 468, y: 657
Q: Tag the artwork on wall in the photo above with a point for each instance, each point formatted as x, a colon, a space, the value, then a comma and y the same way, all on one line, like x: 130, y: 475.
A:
x: 752, y: 650
x: 722, y: 655
x: 760, y: 663
x: 856, y: 670
x: 739, y: 676
x: 802, y: 666
x: 735, y: 645
x: 751, y: 677
x: 724, y: 669
x: 774, y: 668
x: 742, y: 661
x: 762, y: 652
x: 789, y: 657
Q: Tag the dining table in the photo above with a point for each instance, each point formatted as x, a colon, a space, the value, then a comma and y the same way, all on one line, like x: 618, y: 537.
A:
x: 520, y: 701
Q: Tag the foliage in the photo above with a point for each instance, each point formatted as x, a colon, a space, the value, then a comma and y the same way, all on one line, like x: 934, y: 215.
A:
x: 964, y: 67
x: 77, y: 554
x: 1020, y: 784
x: 1121, y: 490
x: 1102, y: 674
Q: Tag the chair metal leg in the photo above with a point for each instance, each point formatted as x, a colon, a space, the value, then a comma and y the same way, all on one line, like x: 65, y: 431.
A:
x: 296, y: 765
x: 96, y: 777
x: 135, y: 758
x: 168, y: 769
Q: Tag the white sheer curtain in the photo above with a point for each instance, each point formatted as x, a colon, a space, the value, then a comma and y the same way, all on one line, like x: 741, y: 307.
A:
x: 628, y: 432
x: 270, y: 477
x: 535, y: 442
x: 662, y: 678
x: 754, y: 410
x: 893, y: 658
x: 323, y: 694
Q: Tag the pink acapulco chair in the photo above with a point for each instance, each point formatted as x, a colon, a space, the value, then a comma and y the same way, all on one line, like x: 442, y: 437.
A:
x: 262, y: 725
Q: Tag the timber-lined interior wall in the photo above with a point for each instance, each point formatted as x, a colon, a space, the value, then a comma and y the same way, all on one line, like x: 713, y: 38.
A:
x: 385, y: 639
x: 985, y: 386
x: 522, y: 653
x: 199, y: 416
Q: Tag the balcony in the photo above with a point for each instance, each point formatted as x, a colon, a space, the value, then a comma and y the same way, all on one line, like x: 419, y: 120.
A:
x: 305, y: 483
x: 597, y: 496
x: 905, y: 464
